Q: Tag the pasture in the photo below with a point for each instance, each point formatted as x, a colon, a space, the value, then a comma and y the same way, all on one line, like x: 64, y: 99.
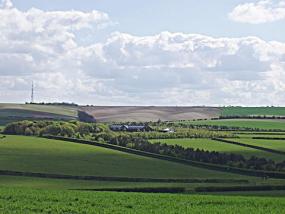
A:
x: 253, y: 111
x: 212, y: 145
x: 41, y: 201
x: 278, y: 145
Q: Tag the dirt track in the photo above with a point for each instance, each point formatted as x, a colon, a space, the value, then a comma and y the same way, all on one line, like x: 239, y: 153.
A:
x: 150, y: 113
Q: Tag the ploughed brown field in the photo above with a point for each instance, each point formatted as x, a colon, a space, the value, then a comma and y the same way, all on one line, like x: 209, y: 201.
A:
x: 150, y: 113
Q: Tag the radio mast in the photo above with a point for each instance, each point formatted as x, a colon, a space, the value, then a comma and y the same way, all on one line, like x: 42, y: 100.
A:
x: 32, y: 93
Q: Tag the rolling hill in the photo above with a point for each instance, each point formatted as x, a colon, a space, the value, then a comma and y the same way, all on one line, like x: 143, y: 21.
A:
x: 150, y: 113
x: 16, y: 112
x: 30, y: 154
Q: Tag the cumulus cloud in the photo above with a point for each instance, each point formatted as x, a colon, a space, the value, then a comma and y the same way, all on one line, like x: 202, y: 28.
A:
x: 259, y: 12
x: 163, y: 69
x: 195, y: 69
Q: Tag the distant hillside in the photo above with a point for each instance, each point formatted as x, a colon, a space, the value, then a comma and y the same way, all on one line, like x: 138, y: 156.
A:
x: 16, y: 112
x: 150, y: 113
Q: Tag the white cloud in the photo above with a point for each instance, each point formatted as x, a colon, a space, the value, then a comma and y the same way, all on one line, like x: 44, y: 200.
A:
x: 163, y: 69
x: 259, y: 12
x: 7, y: 4
x: 176, y: 68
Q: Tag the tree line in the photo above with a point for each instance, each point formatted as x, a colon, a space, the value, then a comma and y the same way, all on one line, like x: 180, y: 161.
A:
x: 57, y: 128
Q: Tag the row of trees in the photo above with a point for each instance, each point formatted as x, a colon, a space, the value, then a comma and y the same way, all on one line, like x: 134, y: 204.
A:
x: 57, y: 128
x: 182, y: 133
x: 55, y: 104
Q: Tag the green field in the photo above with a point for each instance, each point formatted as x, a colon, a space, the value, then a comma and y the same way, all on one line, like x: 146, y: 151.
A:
x: 244, y: 123
x: 46, y: 183
x: 249, y: 111
x: 278, y: 145
x: 211, y: 145
x: 50, y: 156
x: 40, y: 201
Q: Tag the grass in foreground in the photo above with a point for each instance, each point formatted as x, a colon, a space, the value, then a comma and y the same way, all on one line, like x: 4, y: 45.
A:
x: 32, y: 154
x: 39, y: 201
x: 212, y: 145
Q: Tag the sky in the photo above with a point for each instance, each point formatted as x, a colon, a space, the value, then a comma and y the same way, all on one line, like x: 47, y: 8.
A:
x: 163, y: 52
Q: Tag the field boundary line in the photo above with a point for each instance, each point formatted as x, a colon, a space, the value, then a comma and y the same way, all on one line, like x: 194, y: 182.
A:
x: 239, y: 188
x: 268, y: 138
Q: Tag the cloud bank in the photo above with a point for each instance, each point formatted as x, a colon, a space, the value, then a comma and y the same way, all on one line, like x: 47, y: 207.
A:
x: 123, y: 69
x: 263, y: 11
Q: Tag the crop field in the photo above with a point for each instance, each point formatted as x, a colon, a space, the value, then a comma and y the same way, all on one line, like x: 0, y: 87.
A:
x: 212, y: 145
x: 40, y: 201
x: 243, y: 123
x: 32, y: 154
x: 249, y: 111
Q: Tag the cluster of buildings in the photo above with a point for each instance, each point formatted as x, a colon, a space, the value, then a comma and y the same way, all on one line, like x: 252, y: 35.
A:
x: 137, y: 128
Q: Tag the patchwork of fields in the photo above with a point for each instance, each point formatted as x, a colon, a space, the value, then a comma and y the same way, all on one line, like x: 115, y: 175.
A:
x: 28, y: 194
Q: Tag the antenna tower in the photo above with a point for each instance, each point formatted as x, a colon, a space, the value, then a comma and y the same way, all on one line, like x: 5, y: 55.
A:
x: 32, y: 94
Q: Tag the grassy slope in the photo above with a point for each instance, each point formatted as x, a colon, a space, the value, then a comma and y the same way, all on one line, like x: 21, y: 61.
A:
x: 60, y: 110
x: 247, y: 111
x: 211, y: 145
x: 15, y: 112
x: 250, y: 123
x: 39, y: 201
x: 50, y: 156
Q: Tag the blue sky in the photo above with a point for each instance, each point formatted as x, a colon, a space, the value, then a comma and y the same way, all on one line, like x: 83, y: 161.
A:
x: 150, y: 17
x: 161, y: 52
